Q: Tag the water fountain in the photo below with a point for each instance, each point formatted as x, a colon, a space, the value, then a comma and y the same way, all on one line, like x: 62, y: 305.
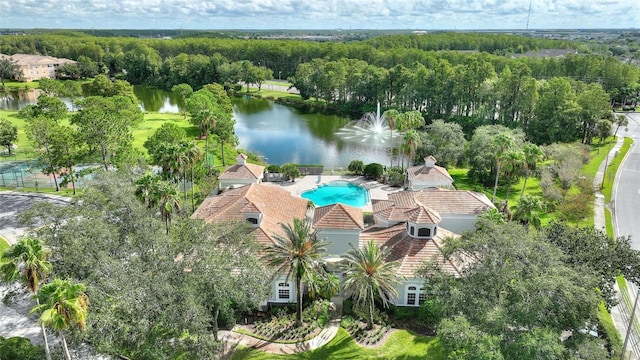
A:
x: 372, y: 129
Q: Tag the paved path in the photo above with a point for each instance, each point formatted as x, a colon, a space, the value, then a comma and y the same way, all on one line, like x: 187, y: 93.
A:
x: 15, y: 319
x: 12, y: 203
x: 326, y: 335
x: 619, y: 313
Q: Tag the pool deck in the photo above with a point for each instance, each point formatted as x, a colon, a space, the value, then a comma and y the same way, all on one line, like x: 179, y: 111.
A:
x: 377, y: 190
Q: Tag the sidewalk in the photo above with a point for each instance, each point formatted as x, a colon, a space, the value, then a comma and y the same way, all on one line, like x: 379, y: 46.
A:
x: 326, y: 335
x: 620, y: 319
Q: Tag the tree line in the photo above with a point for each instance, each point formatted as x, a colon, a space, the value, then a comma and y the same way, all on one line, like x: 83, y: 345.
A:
x: 156, y: 62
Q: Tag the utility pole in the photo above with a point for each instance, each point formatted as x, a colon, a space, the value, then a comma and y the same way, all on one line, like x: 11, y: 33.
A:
x: 630, y: 328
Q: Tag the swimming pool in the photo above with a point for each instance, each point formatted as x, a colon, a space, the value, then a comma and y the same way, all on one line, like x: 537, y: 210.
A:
x: 339, y: 191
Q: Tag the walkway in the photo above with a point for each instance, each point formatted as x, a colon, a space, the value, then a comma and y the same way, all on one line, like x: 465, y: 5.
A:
x: 326, y: 335
x: 619, y: 313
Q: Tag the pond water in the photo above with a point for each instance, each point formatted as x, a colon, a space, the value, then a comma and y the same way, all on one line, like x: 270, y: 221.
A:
x: 278, y: 133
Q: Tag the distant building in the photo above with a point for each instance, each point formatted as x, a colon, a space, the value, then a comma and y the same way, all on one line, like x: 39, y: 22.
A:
x: 35, y: 67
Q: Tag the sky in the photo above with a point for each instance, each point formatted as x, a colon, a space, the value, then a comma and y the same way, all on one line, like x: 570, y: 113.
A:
x: 319, y: 14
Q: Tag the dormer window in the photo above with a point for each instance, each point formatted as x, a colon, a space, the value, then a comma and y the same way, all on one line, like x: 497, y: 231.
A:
x: 424, y: 232
x: 255, y: 219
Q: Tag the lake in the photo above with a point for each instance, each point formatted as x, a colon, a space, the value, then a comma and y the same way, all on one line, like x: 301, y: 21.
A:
x: 278, y: 133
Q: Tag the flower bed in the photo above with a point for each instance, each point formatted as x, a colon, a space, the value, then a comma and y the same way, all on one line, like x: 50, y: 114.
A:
x: 363, y: 336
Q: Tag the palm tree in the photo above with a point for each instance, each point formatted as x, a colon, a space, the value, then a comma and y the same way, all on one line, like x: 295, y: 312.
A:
x: 532, y: 154
x: 167, y: 197
x: 368, y: 276
x: 527, y: 211
x: 27, y: 261
x: 146, y: 188
x: 62, y: 305
x: 512, y: 162
x: 296, y: 253
x: 502, y: 143
x: 192, y: 154
x: 391, y: 116
x: 411, y: 143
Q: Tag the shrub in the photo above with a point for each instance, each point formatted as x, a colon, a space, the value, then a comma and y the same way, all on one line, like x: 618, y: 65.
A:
x: 291, y: 171
x: 20, y: 348
x: 373, y: 171
x: 274, y: 168
x: 356, y: 167
x: 395, y: 176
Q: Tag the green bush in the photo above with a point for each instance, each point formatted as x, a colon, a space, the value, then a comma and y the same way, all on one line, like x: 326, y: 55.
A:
x: 18, y: 348
x: 274, y: 168
x: 373, y: 171
x: 395, y: 176
x: 356, y: 167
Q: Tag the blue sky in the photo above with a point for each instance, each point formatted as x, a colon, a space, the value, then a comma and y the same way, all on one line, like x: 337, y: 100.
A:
x: 318, y: 14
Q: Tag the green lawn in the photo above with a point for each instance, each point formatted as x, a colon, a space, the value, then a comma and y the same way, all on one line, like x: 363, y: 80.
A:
x: 151, y: 122
x: 402, y: 344
x: 614, y: 163
x: 20, y: 85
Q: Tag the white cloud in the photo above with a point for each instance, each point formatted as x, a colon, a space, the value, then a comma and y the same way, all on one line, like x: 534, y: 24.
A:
x: 206, y: 14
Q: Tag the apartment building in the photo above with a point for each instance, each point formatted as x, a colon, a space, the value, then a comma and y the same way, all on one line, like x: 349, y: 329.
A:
x: 35, y: 67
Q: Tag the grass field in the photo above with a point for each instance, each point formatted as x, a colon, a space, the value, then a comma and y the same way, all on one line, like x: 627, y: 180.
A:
x: 402, y: 344
x: 612, y: 171
x: 141, y: 133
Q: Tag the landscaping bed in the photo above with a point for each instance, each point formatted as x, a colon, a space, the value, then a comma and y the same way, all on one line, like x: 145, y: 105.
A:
x: 363, y: 336
x: 280, y: 326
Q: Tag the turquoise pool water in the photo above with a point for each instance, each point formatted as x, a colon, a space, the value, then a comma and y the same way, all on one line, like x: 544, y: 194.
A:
x: 334, y: 192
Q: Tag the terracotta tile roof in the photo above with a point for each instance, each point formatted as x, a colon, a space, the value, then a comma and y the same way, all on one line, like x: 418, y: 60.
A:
x: 423, y: 215
x: 461, y: 202
x: 430, y: 174
x: 410, y: 252
x: 276, y: 206
x: 247, y: 171
x: 29, y: 59
x: 338, y: 216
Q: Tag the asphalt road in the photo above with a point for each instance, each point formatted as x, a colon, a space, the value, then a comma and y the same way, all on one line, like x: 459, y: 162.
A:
x: 626, y: 195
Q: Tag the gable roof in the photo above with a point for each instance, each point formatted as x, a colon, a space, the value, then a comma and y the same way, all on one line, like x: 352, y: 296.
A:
x: 246, y: 171
x: 276, y: 206
x: 338, y: 216
x: 459, y: 202
x: 429, y: 174
x: 410, y: 252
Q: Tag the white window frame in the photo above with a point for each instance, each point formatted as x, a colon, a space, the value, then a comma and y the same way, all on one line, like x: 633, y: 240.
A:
x: 288, y: 286
x: 416, y: 292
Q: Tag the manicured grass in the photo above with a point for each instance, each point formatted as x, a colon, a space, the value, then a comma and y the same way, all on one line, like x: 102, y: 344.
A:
x: 141, y: 133
x: 266, y: 92
x: 45, y: 190
x: 608, y: 223
x: 599, y: 151
x: 20, y: 85
x: 402, y: 344
x: 604, y: 316
x: 612, y: 171
x: 276, y: 82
